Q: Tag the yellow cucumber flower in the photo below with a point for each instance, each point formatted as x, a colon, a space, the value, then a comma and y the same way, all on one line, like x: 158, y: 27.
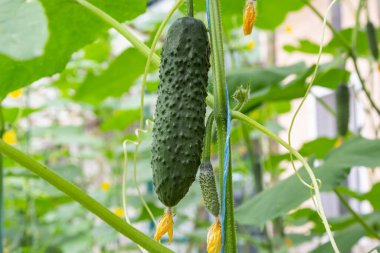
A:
x: 214, y: 237
x: 249, y: 17
x: 10, y: 137
x: 16, y: 93
x: 119, y: 212
x: 165, y: 226
x: 105, y: 186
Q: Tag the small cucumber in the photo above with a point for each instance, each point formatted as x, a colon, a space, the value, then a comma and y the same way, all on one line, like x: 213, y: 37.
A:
x: 208, y: 187
x: 372, y: 40
x: 342, y: 109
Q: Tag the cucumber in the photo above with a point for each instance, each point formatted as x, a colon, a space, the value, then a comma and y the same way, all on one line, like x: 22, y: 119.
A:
x: 208, y: 188
x: 342, y: 109
x: 179, y: 128
x: 372, y: 40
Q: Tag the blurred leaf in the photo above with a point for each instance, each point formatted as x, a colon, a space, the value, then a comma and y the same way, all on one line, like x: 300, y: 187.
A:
x: 304, y: 46
x: 318, y: 147
x: 12, y: 113
x: 334, y: 46
x: 275, y: 202
x: 120, y: 120
x: 332, y: 78
x: 70, y: 28
x: 259, y: 78
x: 144, y: 215
x: 98, y: 51
x: 23, y: 27
x: 349, y: 236
x: 117, y: 79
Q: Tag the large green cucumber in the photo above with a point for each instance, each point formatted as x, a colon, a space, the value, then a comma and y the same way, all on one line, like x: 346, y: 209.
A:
x: 179, y: 127
x: 342, y: 109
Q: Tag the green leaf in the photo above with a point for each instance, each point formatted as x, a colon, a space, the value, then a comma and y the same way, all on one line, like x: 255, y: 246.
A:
x: 259, y: 78
x: 275, y: 201
x: 71, y: 27
x: 305, y: 46
x: 121, y: 120
x: 117, y: 79
x: 319, y: 147
x: 23, y: 27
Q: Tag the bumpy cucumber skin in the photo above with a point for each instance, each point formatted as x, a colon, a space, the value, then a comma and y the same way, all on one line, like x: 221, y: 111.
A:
x: 179, y: 128
x: 372, y: 40
x: 342, y: 109
x: 208, y: 188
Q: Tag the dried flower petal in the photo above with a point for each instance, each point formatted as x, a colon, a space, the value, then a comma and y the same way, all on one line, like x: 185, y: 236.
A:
x: 249, y: 17
x: 214, y: 237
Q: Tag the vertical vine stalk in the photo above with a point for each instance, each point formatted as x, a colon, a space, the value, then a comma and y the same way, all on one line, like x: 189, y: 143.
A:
x: 2, y: 213
x: 220, y: 114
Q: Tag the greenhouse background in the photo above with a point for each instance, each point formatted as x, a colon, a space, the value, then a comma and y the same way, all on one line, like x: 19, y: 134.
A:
x: 71, y: 87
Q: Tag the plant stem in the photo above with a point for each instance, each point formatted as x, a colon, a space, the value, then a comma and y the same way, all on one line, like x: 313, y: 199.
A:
x: 2, y: 213
x: 220, y: 113
x: 208, y: 138
x: 86, y: 201
x: 190, y: 8
x: 254, y: 124
x: 325, y: 105
x: 362, y: 82
x: 357, y: 217
x: 140, y: 46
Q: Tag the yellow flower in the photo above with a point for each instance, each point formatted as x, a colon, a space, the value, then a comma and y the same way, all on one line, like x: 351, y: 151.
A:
x: 15, y: 94
x: 119, y: 212
x: 105, y: 186
x: 214, y: 237
x: 339, y: 142
x: 288, y: 242
x: 243, y: 150
x: 288, y: 28
x: 251, y: 45
x: 249, y: 17
x: 165, y: 226
x: 10, y: 137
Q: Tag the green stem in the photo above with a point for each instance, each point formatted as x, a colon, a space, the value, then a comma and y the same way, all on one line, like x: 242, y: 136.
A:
x: 86, y: 201
x: 2, y: 213
x: 362, y: 83
x: 220, y: 113
x: 121, y: 29
x: 357, y: 217
x: 254, y: 124
x: 190, y: 8
x: 325, y: 105
x: 208, y: 138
